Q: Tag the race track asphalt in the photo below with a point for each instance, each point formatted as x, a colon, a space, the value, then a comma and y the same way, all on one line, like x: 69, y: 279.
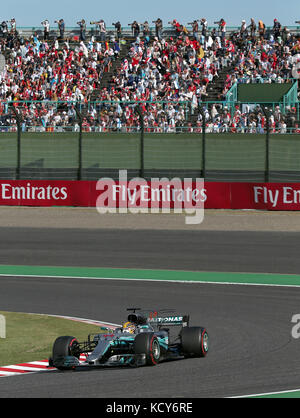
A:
x: 262, y: 252
x: 251, y: 351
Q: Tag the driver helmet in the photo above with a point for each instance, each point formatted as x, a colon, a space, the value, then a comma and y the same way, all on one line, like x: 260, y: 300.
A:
x: 129, y: 327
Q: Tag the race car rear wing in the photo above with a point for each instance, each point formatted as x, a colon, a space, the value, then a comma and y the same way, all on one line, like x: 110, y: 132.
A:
x: 179, y: 320
x: 162, y: 317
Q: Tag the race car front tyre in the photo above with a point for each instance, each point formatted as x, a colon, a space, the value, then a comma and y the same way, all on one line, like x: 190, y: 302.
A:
x: 64, y: 347
x: 194, y: 342
x: 148, y: 344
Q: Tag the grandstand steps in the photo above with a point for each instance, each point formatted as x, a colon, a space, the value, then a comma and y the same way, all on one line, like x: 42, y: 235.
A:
x: 116, y: 65
x: 215, y: 89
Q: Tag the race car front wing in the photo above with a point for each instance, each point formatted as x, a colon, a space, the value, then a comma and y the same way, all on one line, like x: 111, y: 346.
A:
x: 72, y: 363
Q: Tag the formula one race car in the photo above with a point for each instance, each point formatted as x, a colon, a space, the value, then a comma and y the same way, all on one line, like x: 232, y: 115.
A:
x: 144, y: 339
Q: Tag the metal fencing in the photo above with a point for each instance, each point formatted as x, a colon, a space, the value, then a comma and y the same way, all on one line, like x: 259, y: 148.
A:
x: 72, y: 141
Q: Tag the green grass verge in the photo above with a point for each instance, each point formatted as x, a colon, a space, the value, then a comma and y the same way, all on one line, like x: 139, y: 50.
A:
x: 31, y: 337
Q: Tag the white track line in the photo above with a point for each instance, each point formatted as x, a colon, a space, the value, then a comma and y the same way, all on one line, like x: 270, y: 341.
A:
x: 24, y: 368
x: 35, y: 276
x: 266, y: 394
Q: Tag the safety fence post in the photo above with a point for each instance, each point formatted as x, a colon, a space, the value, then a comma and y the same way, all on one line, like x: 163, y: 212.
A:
x: 80, y: 120
x: 19, y: 130
x: 267, y: 162
x: 142, y: 128
x: 201, y: 111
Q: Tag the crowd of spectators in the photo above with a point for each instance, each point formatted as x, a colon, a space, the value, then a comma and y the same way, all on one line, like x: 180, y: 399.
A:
x: 96, y: 117
x: 39, y: 69
x: 167, y: 118
x: 264, y: 59
x: 181, y: 67
x: 248, y: 118
x: 168, y: 74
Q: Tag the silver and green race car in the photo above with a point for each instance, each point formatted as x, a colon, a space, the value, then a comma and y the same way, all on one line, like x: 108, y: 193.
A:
x: 146, y: 338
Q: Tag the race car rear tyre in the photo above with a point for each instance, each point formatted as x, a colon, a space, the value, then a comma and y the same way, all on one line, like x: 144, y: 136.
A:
x: 148, y: 344
x: 194, y: 342
x: 64, y: 347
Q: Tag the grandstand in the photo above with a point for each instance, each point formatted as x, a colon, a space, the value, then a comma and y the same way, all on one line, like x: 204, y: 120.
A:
x: 173, y: 92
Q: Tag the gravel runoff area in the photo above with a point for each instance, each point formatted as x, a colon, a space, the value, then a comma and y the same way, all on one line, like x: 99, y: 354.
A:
x: 89, y: 218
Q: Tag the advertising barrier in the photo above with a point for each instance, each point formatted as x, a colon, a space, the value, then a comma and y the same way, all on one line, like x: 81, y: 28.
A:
x: 133, y: 194
x: 265, y: 196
